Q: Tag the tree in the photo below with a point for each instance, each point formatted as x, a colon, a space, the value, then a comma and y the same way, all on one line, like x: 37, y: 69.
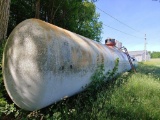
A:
x: 20, y: 10
x: 155, y: 54
x: 89, y: 25
x: 37, y: 9
x: 78, y: 16
x: 4, y: 17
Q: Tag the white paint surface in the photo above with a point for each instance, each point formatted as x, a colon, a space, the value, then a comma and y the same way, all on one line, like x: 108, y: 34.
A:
x: 43, y: 63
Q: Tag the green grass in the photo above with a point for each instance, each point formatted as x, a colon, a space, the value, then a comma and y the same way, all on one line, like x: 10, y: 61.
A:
x: 137, y: 98
x: 153, y: 62
x: 129, y: 96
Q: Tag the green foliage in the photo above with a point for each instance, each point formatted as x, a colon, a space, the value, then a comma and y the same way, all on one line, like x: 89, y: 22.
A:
x: 19, y: 11
x: 155, y: 55
x: 78, y: 16
x: 112, y: 73
x: 138, y: 97
x: 7, y: 109
x: 87, y: 22
x: 99, y: 77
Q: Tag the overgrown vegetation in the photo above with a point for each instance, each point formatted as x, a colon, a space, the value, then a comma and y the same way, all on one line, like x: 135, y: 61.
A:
x: 128, y: 96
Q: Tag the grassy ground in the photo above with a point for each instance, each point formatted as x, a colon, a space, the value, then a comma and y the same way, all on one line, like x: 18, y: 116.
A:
x: 129, y: 96
x: 139, y: 96
x: 153, y: 62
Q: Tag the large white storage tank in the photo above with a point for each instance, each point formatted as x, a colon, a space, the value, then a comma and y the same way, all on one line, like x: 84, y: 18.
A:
x: 43, y: 63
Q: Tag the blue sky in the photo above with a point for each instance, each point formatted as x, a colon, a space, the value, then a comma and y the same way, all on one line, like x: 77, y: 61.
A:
x: 142, y: 15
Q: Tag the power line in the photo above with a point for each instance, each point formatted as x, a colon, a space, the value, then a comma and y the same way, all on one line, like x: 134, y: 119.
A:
x: 121, y: 31
x: 118, y: 20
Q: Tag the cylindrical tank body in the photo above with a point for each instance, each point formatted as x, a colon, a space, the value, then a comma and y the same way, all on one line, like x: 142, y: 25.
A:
x: 43, y: 63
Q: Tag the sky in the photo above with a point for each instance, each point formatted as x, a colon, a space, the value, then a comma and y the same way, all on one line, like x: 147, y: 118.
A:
x: 143, y: 16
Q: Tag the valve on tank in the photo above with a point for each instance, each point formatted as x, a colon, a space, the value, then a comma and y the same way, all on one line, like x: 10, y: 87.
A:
x: 110, y: 42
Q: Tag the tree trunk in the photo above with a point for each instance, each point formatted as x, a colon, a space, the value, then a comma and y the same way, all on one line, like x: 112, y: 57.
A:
x: 4, y: 17
x: 52, y: 10
x: 55, y: 11
x: 37, y: 9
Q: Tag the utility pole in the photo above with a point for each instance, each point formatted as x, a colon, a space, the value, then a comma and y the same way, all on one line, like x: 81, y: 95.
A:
x: 145, y: 43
